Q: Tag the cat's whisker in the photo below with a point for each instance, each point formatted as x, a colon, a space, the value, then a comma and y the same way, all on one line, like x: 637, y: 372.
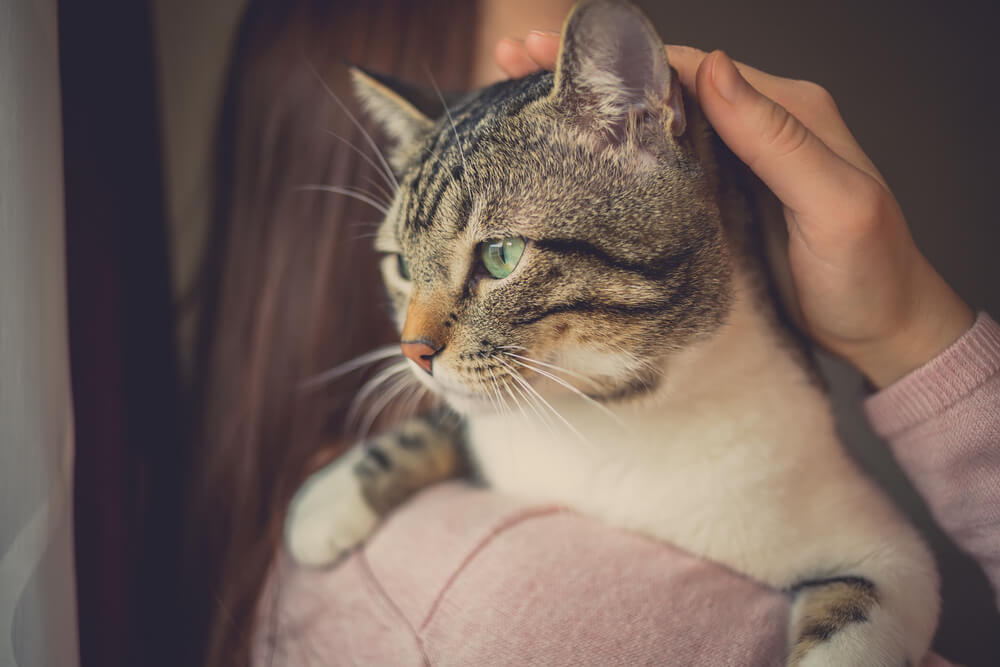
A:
x: 490, y: 393
x: 381, y: 188
x: 458, y: 140
x: 399, y: 384
x: 536, y: 401
x: 555, y: 412
x: 364, y: 132
x: 354, y: 364
x: 437, y: 157
x: 403, y: 407
x: 548, y: 365
x: 518, y: 386
x: 393, y: 185
x: 496, y: 389
x: 348, y: 192
x: 413, y: 403
x: 560, y: 381
x: 371, y: 385
x: 638, y: 360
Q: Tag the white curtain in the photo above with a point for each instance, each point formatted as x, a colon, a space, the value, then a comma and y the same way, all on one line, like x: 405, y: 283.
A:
x: 37, y: 587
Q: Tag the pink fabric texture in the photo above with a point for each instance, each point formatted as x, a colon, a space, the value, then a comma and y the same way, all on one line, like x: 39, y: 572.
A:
x: 942, y: 422
x: 465, y: 576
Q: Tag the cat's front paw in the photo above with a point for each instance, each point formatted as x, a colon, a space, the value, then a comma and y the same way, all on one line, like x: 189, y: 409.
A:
x: 329, y: 516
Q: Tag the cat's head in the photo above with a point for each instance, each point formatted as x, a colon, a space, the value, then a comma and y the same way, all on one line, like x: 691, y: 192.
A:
x: 558, y: 226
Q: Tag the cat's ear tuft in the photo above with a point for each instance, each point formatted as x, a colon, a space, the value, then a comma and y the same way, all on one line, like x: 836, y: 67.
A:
x: 399, y: 108
x: 612, y: 68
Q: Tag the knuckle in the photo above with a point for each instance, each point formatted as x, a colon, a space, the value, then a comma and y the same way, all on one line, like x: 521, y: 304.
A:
x: 783, y: 132
x: 872, y: 207
x: 816, y: 94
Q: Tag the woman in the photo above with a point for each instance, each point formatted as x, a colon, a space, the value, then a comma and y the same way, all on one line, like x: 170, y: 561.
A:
x: 263, y: 436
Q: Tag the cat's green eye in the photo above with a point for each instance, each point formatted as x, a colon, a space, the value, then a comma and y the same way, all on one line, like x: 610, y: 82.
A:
x: 404, y: 268
x: 500, y: 256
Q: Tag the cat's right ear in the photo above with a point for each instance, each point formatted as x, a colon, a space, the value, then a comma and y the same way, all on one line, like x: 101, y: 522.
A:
x: 612, y: 70
x: 400, y: 109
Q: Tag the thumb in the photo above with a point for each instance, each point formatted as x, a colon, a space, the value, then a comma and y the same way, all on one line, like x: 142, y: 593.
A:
x: 796, y: 165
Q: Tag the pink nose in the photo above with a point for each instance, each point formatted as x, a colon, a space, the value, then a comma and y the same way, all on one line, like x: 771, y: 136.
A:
x: 419, y: 352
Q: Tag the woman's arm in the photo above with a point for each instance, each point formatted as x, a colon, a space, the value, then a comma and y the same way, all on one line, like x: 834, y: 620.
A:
x: 942, y: 421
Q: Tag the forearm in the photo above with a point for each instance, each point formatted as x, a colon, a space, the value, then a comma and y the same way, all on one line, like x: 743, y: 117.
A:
x: 942, y: 421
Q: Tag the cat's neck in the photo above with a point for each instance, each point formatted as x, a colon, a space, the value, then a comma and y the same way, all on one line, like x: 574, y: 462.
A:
x: 747, y: 375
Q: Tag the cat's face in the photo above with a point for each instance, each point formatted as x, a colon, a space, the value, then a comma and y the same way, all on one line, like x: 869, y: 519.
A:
x: 556, y: 230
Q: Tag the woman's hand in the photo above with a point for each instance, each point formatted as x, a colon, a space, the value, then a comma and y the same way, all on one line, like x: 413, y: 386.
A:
x: 866, y: 292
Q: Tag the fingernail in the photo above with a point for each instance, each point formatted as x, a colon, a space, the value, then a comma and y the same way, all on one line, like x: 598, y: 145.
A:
x: 543, y: 33
x: 727, y: 78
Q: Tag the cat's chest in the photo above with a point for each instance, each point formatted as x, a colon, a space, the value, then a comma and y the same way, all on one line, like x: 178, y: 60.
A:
x: 716, y: 487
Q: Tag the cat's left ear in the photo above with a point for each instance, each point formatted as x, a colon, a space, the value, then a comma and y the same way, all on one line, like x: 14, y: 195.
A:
x: 612, y: 68
x: 405, y: 112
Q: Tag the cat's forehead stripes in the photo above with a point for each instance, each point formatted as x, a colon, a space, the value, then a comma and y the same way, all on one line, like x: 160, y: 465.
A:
x: 444, y: 162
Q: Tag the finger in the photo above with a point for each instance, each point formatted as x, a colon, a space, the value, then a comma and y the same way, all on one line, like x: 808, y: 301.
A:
x: 796, y: 165
x: 513, y: 58
x: 814, y: 108
x: 543, y: 47
x: 685, y: 59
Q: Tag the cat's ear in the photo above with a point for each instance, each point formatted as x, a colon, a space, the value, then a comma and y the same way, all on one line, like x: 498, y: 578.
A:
x: 612, y: 68
x: 405, y: 112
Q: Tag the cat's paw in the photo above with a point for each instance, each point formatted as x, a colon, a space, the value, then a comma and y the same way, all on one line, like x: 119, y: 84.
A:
x: 329, y: 516
x: 851, y: 635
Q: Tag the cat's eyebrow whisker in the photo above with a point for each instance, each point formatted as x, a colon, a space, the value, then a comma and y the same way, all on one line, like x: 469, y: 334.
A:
x: 348, y: 192
x: 458, y: 140
x: 437, y: 157
x: 354, y: 364
x: 391, y: 182
x: 347, y: 112
x: 558, y: 380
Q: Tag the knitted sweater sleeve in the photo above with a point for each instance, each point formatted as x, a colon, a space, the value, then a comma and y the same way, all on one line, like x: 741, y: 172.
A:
x: 942, y: 422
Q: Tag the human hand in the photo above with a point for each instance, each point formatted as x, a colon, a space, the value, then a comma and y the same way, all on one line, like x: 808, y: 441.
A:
x: 865, y: 290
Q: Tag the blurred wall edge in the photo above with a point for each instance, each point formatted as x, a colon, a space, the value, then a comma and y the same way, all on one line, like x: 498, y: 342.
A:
x: 38, y: 624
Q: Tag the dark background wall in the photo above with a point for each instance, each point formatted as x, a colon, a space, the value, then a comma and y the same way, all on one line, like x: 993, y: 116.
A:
x: 918, y: 86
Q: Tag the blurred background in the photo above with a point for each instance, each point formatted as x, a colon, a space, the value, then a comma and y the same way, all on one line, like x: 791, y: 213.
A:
x: 142, y: 86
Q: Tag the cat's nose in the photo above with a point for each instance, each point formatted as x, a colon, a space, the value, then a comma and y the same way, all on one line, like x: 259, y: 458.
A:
x: 420, y: 352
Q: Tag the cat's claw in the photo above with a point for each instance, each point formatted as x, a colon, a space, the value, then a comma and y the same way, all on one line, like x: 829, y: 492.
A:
x: 329, y: 516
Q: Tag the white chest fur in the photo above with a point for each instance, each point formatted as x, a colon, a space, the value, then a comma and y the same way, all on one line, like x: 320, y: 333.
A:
x: 734, y: 458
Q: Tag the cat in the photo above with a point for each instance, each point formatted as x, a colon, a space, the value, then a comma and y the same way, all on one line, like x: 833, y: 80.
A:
x: 575, y: 265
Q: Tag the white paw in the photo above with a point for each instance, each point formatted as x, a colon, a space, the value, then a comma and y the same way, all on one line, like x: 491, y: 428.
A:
x: 876, y: 642
x: 329, y: 516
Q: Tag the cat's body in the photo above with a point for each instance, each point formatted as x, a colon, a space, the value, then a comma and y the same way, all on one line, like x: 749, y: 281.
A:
x: 625, y: 360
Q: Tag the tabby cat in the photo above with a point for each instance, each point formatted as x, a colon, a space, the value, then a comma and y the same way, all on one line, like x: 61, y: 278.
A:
x: 574, y: 267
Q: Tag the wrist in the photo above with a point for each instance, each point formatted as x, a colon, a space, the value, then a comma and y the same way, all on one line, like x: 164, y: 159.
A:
x: 936, y: 320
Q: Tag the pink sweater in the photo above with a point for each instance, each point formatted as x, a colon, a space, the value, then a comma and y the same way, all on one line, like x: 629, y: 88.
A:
x: 464, y: 576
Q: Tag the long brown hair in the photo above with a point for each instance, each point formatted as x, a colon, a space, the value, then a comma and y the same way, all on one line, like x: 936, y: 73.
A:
x: 290, y: 281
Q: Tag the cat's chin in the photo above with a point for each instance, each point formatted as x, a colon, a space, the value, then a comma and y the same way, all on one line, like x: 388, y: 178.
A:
x: 467, y: 403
